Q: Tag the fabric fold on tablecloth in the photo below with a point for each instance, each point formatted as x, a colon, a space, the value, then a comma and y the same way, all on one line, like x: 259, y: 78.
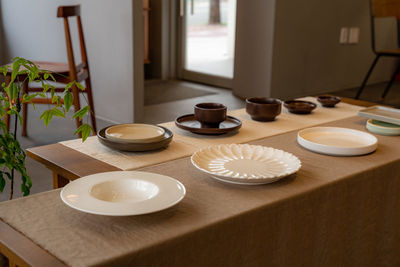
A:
x: 185, y: 143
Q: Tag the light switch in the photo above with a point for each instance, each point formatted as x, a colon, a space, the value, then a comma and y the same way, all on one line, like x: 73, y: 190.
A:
x: 344, y: 35
x: 354, y: 35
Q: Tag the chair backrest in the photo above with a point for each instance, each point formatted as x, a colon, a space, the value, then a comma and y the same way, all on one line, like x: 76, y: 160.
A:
x: 384, y: 8
x: 74, y: 11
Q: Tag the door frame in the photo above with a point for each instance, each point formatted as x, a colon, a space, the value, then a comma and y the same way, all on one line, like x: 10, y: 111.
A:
x: 183, y: 73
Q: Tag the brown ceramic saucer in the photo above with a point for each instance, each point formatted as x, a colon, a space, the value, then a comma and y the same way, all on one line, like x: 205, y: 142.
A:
x: 299, y: 106
x: 135, y: 147
x: 328, y: 101
x: 189, y: 123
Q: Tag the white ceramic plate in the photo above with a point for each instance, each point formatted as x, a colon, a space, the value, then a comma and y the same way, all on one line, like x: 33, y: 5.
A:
x: 245, y: 164
x: 381, y: 127
x: 123, y: 193
x: 135, y: 132
x: 337, y: 141
x: 381, y: 113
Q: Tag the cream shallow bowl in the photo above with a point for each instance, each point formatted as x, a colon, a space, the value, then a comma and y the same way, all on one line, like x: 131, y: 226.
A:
x: 123, y: 193
x: 135, y: 133
x: 245, y: 164
x: 337, y: 141
x: 383, y: 128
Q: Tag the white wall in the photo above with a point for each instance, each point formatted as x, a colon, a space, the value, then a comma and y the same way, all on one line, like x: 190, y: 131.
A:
x: 308, y: 58
x: 3, y: 47
x: 254, y: 47
x: 287, y: 48
x: 32, y: 30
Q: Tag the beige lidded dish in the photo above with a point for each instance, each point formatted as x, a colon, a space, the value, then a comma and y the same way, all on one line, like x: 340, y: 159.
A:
x: 135, y: 133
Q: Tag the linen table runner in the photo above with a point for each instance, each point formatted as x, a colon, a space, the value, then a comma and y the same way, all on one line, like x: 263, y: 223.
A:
x: 185, y: 143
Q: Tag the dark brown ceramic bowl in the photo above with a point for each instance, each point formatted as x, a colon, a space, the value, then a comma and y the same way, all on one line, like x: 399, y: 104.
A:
x: 210, y: 115
x: 328, y: 101
x: 299, y: 106
x: 263, y: 108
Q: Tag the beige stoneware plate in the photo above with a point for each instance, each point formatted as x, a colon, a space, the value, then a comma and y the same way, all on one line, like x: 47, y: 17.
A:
x: 123, y: 193
x: 135, y: 132
x: 381, y: 113
x: 337, y: 141
x: 245, y: 164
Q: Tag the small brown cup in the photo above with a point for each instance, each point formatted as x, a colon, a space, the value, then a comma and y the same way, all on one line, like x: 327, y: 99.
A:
x: 210, y: 115
x: 328, y: 101
x: 263, y: 108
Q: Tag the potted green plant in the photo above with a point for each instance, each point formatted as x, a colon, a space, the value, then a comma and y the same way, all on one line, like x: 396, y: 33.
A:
x: 12, y: 156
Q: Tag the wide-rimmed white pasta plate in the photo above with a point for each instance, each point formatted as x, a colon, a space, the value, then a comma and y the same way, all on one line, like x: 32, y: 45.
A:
x: 123, y: 193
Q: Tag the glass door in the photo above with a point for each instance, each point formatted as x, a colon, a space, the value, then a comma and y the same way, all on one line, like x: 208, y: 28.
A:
x: 207, y: 39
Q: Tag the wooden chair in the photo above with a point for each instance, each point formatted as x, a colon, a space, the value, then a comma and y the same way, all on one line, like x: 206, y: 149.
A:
x: 383, y: 8
x: 65, y: 72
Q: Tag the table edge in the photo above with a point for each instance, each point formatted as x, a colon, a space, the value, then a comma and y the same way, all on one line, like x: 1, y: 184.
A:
x: 22, y: 251
x: 38, y: 154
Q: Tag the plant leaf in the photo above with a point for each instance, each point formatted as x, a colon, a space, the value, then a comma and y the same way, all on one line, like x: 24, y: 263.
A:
x: 81, y: 113
x: 27, y: 98
x: 80, y: 86
x: 15, y: 68
x: 54, y: 99
x: 69, y: 85
x: 68, y: 99
x: 2, y: 182
x: 45, y: 86
x: 58, y: 113
x: 85, y: 130
x: 46, y: 116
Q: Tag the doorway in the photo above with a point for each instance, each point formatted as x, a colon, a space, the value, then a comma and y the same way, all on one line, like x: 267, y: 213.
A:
x: 167, y: 80
x: 206, y: 41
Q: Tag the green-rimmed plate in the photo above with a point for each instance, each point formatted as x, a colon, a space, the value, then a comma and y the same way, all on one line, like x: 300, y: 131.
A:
x: 381, y: 127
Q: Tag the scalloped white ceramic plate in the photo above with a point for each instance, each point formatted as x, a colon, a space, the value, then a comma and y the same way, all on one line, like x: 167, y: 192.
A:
x: 245, y: 164
x: 123, y: 193
x: 336, y: 141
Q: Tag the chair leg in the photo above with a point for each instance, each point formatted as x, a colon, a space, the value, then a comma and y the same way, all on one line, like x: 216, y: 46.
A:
x: 91, y: 104
x: 390, y: 83
x: 77, y: 105
x: 24, y: 110
x: 367, y: 77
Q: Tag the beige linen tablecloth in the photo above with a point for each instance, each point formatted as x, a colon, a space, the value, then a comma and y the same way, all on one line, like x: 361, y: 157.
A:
x: 337, y: 211
x: 185, y: 143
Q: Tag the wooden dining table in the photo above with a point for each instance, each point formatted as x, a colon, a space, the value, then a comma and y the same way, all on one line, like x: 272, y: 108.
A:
x: 336, y: 211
